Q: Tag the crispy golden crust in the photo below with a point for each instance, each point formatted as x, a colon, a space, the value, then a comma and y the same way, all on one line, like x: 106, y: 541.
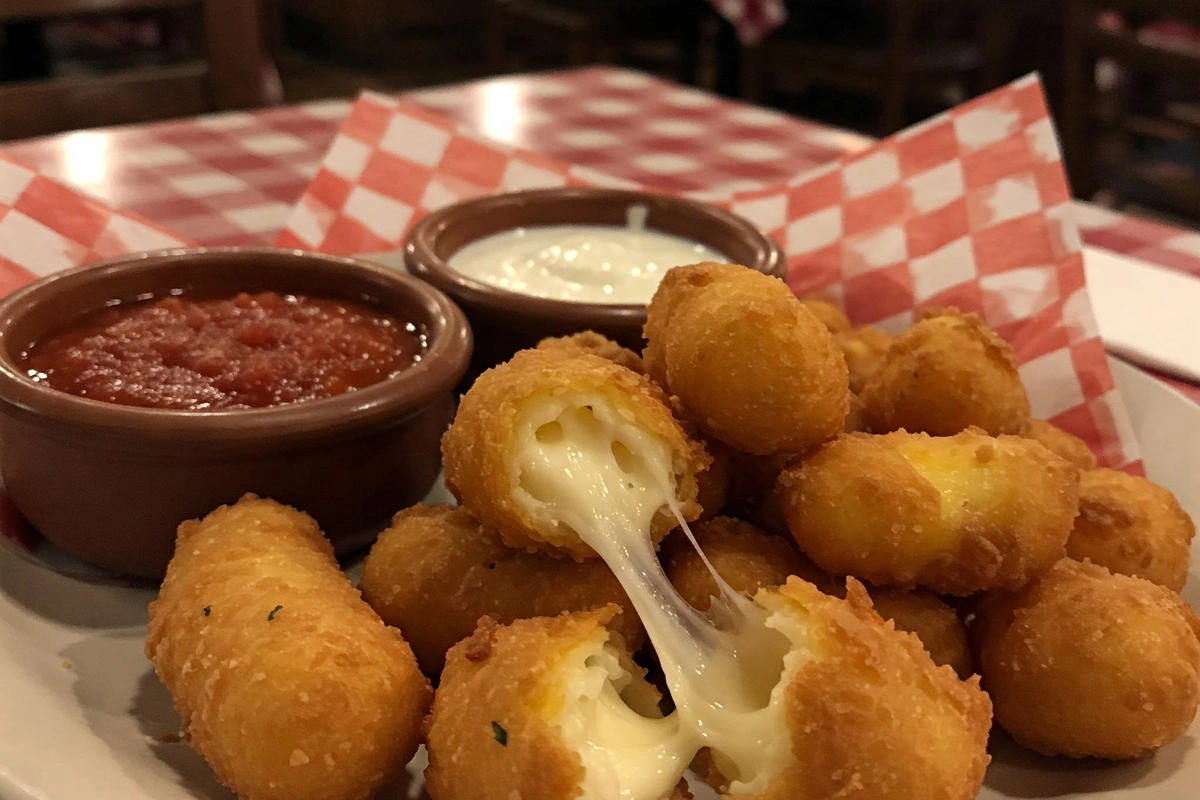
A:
x: 286, y: 682
x: 748, y: 360
x: 869, y: 714
x: 1087, y: 663
x: 830, y: 315
x: 436, y: 571
x: 1061, y: 443
x: 958, y: 514
x: 479, y: 449
x: 1132, y: 526
x: 864, y: 350
x: 744, y: 556
x: 505, y: 677
x: 508, y: 677
x: 946, y: 373
x: 923, y: 613
x: 598, y: 345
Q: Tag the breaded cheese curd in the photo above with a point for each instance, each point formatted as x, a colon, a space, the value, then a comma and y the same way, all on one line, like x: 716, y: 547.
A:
x: 947, y: 372
x: 1084, y: 662
x: 1133, y: 527
x: 754, y: 683
x: 750, y: 362
x: 575, y: 717
x: 936, y: 624
x: 515, y: 423
x: 957, y: 514
x: 436, y: 571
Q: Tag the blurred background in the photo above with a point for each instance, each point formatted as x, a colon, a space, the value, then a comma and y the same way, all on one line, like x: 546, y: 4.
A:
x: 1123, y: 75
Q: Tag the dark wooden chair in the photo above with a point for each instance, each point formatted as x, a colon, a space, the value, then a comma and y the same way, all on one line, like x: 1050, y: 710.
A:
x: 1136, y: 114
x: 582, y: 32
x: 228, y: 75
x: 419, y: 36
x: 884, y: 49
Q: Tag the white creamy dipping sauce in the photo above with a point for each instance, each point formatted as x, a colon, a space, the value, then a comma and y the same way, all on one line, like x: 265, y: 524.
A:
x: 607, y: 264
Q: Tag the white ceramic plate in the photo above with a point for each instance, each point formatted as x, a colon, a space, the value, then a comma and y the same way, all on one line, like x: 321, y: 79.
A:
x: 81, y: 711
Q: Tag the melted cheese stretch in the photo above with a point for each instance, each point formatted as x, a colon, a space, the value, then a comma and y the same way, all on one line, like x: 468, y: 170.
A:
x: 628, y: 750
x: 588, y: 469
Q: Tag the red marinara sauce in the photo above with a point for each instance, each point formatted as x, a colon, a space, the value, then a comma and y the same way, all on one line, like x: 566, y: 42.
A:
x: 248, y: 351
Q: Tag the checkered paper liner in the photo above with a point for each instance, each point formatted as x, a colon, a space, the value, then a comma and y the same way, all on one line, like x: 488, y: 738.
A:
x: 46, y: 227
x: 970, y: 209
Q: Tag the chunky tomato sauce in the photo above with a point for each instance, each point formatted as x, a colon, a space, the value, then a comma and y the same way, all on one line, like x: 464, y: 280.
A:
x: 249, y: 351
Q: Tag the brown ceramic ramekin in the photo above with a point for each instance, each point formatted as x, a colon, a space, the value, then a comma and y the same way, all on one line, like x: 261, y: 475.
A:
x: 506, y: 321
x: 110, y: 483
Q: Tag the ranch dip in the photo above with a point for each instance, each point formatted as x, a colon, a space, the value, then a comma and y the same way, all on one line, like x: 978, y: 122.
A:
x: 608, y: 264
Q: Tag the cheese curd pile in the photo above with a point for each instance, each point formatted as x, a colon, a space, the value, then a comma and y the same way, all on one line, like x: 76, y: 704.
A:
x: 799, y: 559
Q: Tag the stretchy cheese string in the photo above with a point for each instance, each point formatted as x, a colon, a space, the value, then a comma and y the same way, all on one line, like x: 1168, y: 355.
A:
x: 590, y: 469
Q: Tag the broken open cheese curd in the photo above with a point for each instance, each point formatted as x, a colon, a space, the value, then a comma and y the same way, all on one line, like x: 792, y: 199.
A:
x: 611, y: 719
x: 480, y: 450
x: 585, y: 467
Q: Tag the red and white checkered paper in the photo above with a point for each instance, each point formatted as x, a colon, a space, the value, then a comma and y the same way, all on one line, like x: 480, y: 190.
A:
x: 46, y: 227
x: 970, y: 209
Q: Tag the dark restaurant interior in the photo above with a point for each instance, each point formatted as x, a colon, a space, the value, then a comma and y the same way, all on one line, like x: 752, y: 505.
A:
x: 1122, y: 76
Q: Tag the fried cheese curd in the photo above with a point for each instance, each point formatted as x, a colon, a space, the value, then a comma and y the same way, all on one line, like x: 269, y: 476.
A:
x: 285, y: 681
x: 937, y: 625
x: 598, y: 345
x: 1061, y: 443
x: 545, y: 418
x: 1133, y: 527
x: 865, y: 350
x: 574, y: 717
x: 947, y: 372
x: 750, y: 362
x: 794, y: 694
x: 957, y: 514
x: 436, y: 571
x: 826, y: 709
x: 1083, y: 662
